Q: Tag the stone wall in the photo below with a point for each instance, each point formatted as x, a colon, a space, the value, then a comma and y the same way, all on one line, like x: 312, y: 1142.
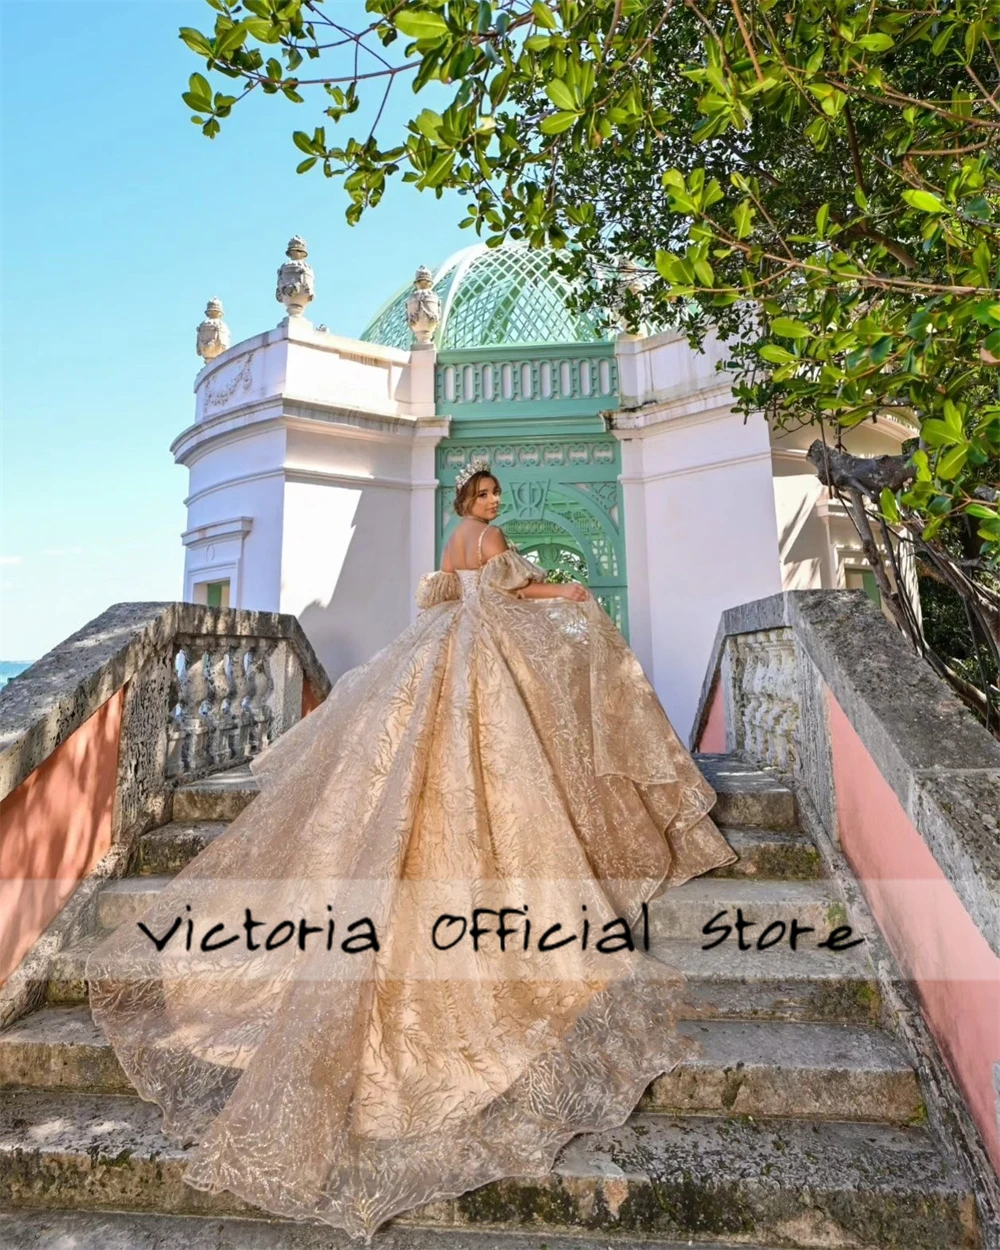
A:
x: 902, y: 778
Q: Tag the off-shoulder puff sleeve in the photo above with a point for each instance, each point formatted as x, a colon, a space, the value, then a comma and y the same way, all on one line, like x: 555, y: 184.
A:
x: 436, y: 588
x: 510, y: 571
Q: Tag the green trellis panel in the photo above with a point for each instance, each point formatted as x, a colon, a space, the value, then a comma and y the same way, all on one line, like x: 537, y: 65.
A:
x: 500, y: 296
x: 557, y: 463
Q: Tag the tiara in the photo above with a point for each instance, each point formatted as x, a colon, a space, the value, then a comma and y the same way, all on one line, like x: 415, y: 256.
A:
x: 478, y: 465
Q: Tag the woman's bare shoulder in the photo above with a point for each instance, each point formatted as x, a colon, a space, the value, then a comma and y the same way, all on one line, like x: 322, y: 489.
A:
x: 458, y: 544
x: 471, y: 544
x: 493, y: 542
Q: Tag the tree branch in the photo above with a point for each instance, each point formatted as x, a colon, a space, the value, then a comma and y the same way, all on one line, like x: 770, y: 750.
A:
x: 870, y: 474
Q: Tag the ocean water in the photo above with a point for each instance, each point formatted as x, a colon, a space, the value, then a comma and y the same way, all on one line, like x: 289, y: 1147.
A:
x: 11, y: 668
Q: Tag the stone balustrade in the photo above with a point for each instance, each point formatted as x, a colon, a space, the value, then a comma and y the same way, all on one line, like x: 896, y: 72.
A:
x: 229, y: 697
x: 902, y: 784
x: 98, y: 733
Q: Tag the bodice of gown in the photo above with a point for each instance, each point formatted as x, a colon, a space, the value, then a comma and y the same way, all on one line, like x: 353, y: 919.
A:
x: 468, y: 580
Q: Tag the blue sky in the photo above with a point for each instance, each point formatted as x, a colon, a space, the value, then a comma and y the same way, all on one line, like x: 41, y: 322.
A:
x: 119, y: 220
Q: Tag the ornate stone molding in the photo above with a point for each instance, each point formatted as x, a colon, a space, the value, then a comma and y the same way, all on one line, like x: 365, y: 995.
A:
x: 542, y: 376
x: 230, y: 381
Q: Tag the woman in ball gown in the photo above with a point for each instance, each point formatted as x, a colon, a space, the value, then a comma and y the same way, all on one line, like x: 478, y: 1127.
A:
x: 418, y: 961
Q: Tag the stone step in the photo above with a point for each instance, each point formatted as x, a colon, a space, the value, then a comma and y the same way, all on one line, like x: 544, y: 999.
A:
x: 171, y: 847
x: 771, y: 854
x: 685, y: 911
x: 723, y: 983
x: 67, y: 983
x: 219, y: 797
x: 798, y: 1184
x: 60, y: 1048
x: 678, y: 913
x: 124, y: 901
x: 781, y: 1069
x: 748, y: 796
x: 758, y: 1069
x: 775, y: 984
x: 86, y: 1230
x: 763, y: 853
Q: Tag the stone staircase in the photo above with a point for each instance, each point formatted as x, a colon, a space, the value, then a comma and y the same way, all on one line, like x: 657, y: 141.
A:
x: 800, y: 1122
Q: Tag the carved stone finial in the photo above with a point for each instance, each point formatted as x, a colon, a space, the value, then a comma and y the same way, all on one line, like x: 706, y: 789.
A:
x: 296, y: 281
x: 213, y: 333
x: 423, y: 308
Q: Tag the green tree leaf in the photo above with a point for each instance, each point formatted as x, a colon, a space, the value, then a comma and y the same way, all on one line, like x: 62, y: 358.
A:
x: 876, y: 42
x: 790, y: 328
x: 776, y: 355
x: 925, y: 201
x: 890, y: 508
x: 420, y: 23
x: 561, y: 94
x: 557, y: 123
x: 952, y: 461
x: 196, y: 41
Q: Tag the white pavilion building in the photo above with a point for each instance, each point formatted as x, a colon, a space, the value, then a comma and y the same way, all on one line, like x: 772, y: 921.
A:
x: 322, y: 467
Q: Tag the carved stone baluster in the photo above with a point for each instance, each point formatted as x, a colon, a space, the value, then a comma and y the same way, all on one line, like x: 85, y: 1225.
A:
x: 790, y: 724
x: 766, y: 698
x: 259, y: 679
x: 770, y: 711
x: 266, y: 692
x: 200, y: 673
x: 177, y: 735
x: 223, y: 744
x: 251, y: 736
x: 240, y: 712
x: 752, y: 677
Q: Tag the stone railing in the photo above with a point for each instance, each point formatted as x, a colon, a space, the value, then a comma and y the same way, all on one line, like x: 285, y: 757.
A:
x: 901, y: 785
x: 205, y: 688
x: 98, y: 733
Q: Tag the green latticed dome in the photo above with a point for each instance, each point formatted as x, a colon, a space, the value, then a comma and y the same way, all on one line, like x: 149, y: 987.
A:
x: 492, y: 297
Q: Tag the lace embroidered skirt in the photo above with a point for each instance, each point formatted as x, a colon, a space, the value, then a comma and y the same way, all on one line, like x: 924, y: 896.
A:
x: 352, y: 1039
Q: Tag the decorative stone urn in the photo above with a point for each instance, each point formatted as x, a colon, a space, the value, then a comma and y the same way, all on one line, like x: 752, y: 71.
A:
x: 632, y: 284
x: 213, y: 333
x: 296, y: 281
x: 423, y: 309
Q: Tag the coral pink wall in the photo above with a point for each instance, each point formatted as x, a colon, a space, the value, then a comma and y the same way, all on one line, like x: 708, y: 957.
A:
x: 713, y: 732
x: 309, y: 699
x: 54, y: 828
x: 933, y: 937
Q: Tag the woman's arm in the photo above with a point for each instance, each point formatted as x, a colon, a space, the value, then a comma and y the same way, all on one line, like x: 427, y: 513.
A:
x: 494, y: 543
x: 554, y: 590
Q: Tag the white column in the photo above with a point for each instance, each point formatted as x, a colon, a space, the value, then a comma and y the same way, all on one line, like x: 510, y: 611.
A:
x: 636, y: 553
x: 423, y: 502
x: 428, y: 432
